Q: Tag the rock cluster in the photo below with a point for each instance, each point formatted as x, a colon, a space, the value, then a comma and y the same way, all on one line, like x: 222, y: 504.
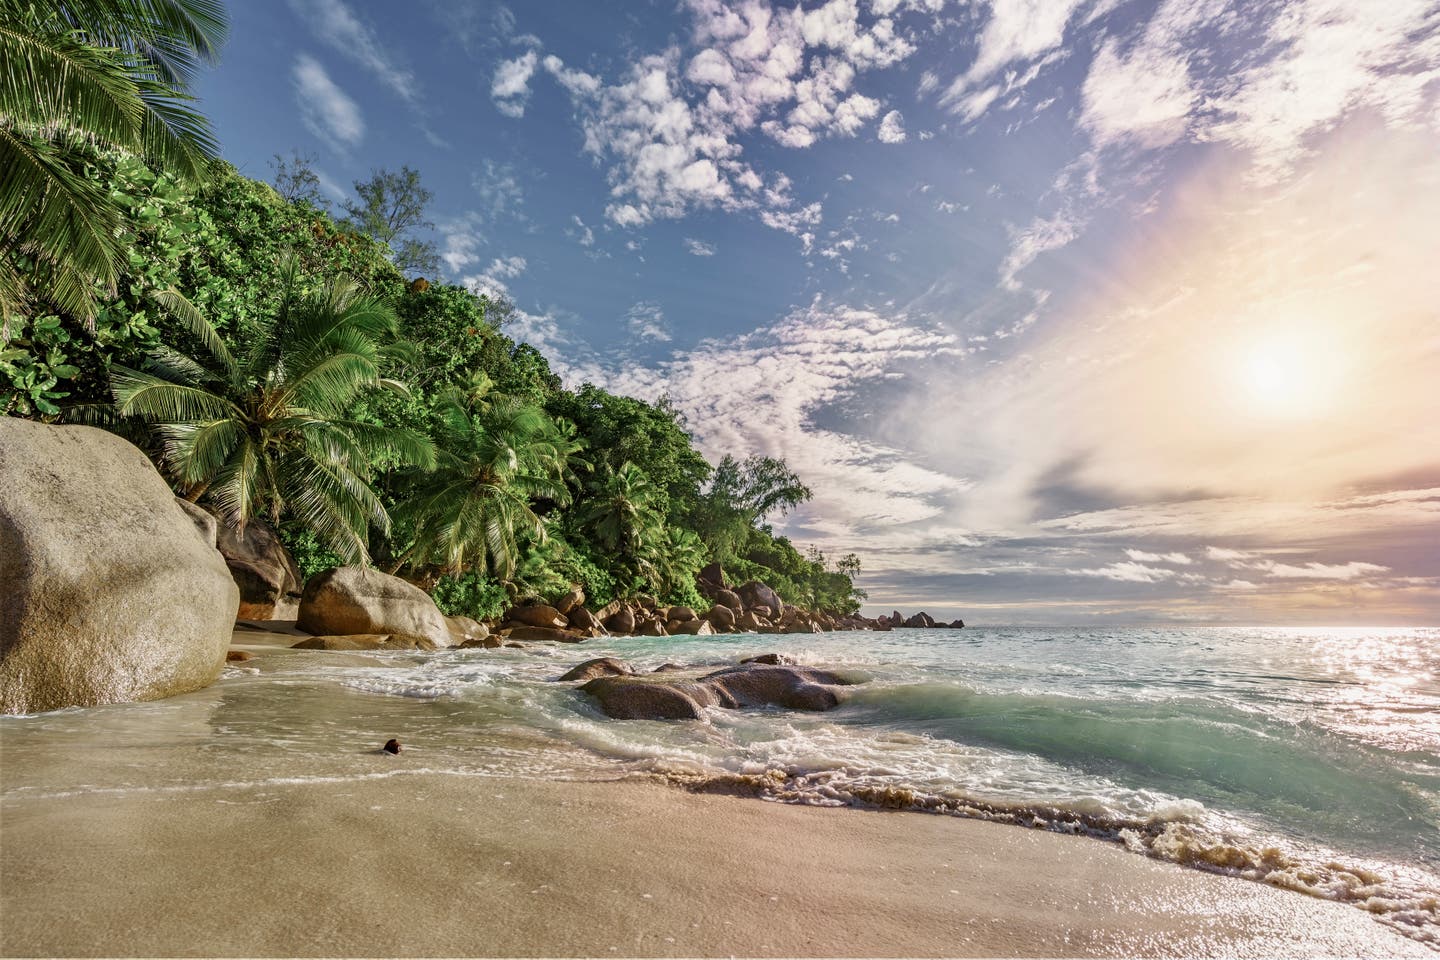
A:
x: 625, y: 695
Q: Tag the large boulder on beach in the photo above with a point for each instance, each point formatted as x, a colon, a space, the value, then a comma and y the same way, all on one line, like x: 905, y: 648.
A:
x: 721, y: 617
x: 572, y: 599
x: 728, y: 598
x: 637, y: 698
x: 599, y: 667
x: 622, y: 621
x: 358, y: 600
x: 545, y: 635
x: 263, y: 569
x: 536, y: 615
x: 110, y: 591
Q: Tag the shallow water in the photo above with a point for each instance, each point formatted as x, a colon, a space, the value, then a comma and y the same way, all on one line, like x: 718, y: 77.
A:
x: 1305, y: 758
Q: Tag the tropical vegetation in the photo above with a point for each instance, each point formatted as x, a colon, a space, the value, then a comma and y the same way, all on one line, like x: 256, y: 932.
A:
x: 284, y: 366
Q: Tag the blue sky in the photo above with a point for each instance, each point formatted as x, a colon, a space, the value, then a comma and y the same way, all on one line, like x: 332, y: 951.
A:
x: 1068, y: 310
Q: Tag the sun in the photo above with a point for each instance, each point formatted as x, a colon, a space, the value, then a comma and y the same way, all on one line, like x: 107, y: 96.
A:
x: 1287, y: 374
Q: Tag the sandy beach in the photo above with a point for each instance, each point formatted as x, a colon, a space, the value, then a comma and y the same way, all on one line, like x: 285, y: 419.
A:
x: 415, y: 864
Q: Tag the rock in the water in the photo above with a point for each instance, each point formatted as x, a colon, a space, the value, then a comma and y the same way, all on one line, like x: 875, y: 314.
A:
x: 269, y: 581
x: 957, y: 624
x: 109, y: 590
x: 652, y: 628
x: 694, y: 628
x: 751, y: 685
x: 490, y: 642
x: 365, y: 641
x: 238, y: 656
x: 391, y: 746
x: 570, y: 601
x: 536, y: 615
x: 622, y: 621
x: 600, y: 667
x: 773, y: 659
x: 920, y: 620
x: 755, y: 594
x: 538, y: 634
x: 357, y: 600
x: 633, y: 698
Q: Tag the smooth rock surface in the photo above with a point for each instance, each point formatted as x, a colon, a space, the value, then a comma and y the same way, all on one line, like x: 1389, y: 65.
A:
x: 354, y: 600
x: 111, y: 591
x: 269, y: 582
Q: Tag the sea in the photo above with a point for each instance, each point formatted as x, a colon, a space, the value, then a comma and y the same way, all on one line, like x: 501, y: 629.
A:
x: 1304, y: 758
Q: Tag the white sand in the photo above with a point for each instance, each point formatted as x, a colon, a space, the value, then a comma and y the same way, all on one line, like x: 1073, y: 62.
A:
x: 412, y: 865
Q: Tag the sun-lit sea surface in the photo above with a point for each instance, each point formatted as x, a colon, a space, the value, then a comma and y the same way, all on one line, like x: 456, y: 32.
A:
x: 1306, y: 758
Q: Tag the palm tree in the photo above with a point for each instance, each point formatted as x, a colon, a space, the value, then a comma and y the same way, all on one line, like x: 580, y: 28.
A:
x: 496, y: 457
x: 267, y: 433
x: 619, y: 516
x: 82, y: 76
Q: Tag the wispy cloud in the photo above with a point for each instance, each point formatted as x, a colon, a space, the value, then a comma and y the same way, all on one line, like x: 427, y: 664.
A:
x: 699, y: 248
x: 336, y: 24
x: 325, y: 109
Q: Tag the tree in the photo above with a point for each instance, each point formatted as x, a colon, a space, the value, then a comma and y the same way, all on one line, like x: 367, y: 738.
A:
x: 619, y: 515
x: 496, y: 455
x: 296, y: 179
x: 391, y: 205
x: 266, y: 432
x: 83, y: 76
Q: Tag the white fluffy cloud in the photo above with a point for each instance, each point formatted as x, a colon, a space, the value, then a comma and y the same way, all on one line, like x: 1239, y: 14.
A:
x: 510, y: 87
x: 647, y: 322
x: 892, y: 128
x: 325, y: 109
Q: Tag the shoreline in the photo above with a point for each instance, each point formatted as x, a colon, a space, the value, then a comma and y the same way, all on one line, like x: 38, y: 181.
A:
x: 417, y: 863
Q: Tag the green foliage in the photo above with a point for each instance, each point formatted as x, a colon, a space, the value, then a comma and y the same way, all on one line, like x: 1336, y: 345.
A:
x: 390, y: 207
x: 470, y: 594
x: 32, y: 365
x: 83, y: 76
x: 266, y: 432
x: 310, y: 555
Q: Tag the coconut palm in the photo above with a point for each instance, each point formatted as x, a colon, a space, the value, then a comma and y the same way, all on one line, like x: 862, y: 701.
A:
x: 497, y: 456
x: 82, y: 76
x: 267, y: 433
x: 619, y: 516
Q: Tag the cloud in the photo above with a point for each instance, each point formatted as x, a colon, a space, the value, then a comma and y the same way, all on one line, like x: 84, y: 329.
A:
x: 892, y: 128
x: 1043, y: 234
x: 583, y: 235
x: 1319, y: 571
x: 1146, y: 96
x: 507, y: 267
x: 647, y: 321
x: 325, y: 109
x: 699, y: 248
x: 499, y: 190
x: 337, y: 25
x: 1127, y: 572
x: 462, y: 242
x: 1176, y: 558
x: 510, y: 87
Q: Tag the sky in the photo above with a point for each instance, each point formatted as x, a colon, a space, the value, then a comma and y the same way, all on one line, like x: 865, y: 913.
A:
x: 1068, y: 311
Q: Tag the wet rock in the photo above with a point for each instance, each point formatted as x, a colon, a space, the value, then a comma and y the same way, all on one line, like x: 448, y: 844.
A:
x: 110, y: 591
x: 694, y: 628
x: 957, y: 624
x: 360, y: 600
x: 391, y: 746
x: 747, y: 686
x: 633, y: 698
x: 668, y: 668
x: 920, y: 620
x: 238, y: 656
x: 652, y: 628
x: 599, y: 667
x: 772, y: 659
x: 487, y: 642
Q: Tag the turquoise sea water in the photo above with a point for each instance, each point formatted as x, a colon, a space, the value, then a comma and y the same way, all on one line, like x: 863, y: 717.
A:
x: 1304, y: 758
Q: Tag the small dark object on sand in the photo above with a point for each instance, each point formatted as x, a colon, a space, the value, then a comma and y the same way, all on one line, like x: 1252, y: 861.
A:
x: 392, y: 746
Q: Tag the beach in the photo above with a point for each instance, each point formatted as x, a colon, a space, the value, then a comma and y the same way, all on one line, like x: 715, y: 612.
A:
x: 439, y: 865
x: 260, y: 817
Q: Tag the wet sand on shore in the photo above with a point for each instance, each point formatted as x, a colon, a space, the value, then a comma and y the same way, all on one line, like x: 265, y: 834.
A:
x: 415, y: 864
